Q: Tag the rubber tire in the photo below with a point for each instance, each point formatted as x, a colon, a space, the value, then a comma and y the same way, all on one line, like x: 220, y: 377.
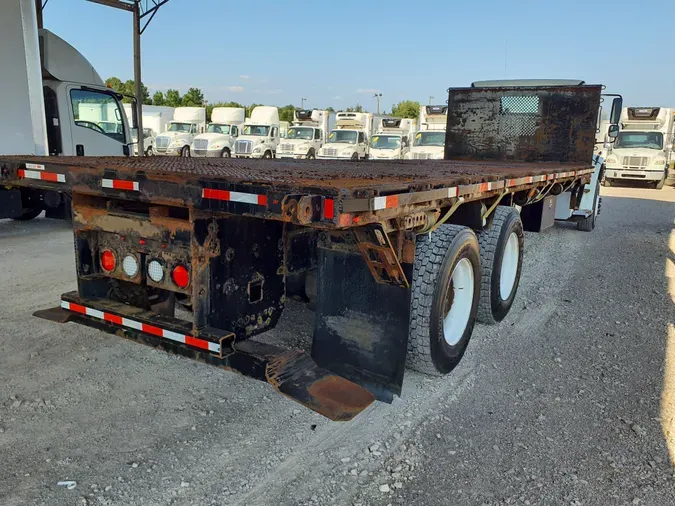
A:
x: 225, y: 153
x: 659, y: 185
x: 267, y: 155
x: 607, y: 182
x: 185, y: 152
x: 355, y: 157
x: 588, y: 224
x: 28, y: 215
x: 311, y: 155
x: 149, y: 151
x: 492, y: 308
x: 435, y: 259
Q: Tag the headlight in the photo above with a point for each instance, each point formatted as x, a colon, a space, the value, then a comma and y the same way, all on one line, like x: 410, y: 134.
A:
x: 213, y: 146
x: 176, y: 142
x: 611, y: 159
x: 256, y: 150
x: 659, y: 161
x: 301, y: 147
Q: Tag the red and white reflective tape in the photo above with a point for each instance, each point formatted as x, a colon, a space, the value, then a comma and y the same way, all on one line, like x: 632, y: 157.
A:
x: 230, y: 196
x: 143, y: 327
x: 387, y: 202
x: 42, y: 176
x: 120, y: 184
x: 36, y: 166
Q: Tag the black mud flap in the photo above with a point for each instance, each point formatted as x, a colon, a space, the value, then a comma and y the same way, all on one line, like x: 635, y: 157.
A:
x: 291, y: 372
x: 10, y: 204
x: 361, y: 326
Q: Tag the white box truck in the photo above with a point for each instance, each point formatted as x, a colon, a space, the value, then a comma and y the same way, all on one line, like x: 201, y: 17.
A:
x: 643, y: 149
x: 429, y: 141
x: 306, y: 134
x: 187, y: 123
x: 392, y: 140
x: 156, y: 118
x: 260, y: 135
x: 48, y: 91
x: 349, y: 140
x: 218, y: 140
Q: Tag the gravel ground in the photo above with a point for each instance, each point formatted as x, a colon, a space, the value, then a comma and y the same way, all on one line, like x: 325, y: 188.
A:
x: 565, y: 402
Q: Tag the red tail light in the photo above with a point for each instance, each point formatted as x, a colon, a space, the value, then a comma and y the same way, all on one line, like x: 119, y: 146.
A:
x: 108, y: 260
x: 180, y: 276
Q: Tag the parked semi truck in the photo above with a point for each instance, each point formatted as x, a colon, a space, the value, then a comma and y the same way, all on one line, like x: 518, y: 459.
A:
x: 221, y: 134
x: 187, y: 123
x: 429, y: 142
x: 156, y: 119
x: 392, y: 139
x: 643, y: 149
x: 306, y: 134
x: 260, y: 134
x: 53, y: 103
x: 350, y: 138
x: 399, y: 263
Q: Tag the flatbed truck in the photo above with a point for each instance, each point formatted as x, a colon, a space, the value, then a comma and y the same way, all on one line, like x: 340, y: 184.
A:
x: 398, y: 258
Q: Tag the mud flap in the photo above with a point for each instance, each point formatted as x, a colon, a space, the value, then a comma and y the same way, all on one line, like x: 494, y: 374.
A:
x: 361, y: 326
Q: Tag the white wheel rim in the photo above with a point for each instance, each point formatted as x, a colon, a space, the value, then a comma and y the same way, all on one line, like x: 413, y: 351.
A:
x: 457, y: 318
x: 507, y: 278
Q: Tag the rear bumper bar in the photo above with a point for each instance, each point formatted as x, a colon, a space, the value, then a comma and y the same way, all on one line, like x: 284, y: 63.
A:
x: 291, y: 372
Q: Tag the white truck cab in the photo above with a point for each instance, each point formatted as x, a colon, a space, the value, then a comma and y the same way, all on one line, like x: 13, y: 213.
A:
x: 429, y: 142
x: 222, y: 132
x: 155, y: 121
x: 643, y: 148
x: 349, y: 140
x: 187, y: 123
x: 260, y: 135
x: 306, y: 134
x: 392, y: 140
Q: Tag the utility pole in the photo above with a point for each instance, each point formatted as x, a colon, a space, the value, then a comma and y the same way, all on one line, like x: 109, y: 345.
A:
x: 378, y: 96
x: 302, y: 102
x: 430, y: 99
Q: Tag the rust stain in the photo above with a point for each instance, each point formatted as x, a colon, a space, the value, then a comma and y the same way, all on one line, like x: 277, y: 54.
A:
x: 340, y: 397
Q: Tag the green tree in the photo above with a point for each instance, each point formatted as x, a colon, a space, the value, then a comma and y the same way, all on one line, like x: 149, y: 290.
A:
x: 286, y: 113
x: 193, y: 98
x: 173, y: 98
x: 330, y: 109
x: 130, y: 89
x: 116, y: 84
x: 249, y: 109
x: 158, y: 98
x: 356, y: 108
x: 406, y: 109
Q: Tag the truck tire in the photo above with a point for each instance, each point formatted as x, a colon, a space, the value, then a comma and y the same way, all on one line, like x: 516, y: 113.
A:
x: 267, y: 155
x: 28, y: 214
x: 311, y: 155
x: 185, y: 152
x: 444, y: 299
x: 607, y: 182
x: 149, y: 152
x: 225, y: 153
x: 659, y: 185
x: 588, y: 224
x: 501, y: 260
x: 355, y: 157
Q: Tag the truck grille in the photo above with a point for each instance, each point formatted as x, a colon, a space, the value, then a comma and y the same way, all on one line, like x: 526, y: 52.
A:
x: 199, y: 152
x: 635, y: 161
x: 243, y: 147
x: 162, y: 142
x: 420, y: 156
x: 286, y: 148
x: 201, y: 144
x: 330, y: 152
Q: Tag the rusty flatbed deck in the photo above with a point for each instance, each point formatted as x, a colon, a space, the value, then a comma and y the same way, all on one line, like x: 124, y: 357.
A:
x: 338, y: 191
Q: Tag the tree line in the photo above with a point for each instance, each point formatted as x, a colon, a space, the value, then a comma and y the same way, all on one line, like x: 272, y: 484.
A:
x: 195, y: 98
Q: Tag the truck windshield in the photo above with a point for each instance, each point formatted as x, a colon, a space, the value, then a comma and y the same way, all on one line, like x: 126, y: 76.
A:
x: 345, y: 136
x: 216, y: 128
x: 429, y: 139
x: 179, y: 127
x: 257, y: 130
x: 305, y: 133
x: 386, y: 142
x: 649, y: 140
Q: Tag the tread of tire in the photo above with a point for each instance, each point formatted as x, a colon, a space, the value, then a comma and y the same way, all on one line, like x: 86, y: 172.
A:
x: 429, y: 256
x: 487, y: 242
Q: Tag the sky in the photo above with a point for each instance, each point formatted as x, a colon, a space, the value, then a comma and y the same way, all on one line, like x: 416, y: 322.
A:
x: 339, y: 53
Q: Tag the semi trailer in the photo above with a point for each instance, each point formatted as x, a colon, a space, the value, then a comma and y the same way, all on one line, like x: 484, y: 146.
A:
x: 53, y: 103
x: 398, y: 258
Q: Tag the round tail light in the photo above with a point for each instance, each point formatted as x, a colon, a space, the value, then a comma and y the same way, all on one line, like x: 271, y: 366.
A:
x: 180, y: 276
x: 108, y: 261
x: 130, y: 266
x: 155, y: 271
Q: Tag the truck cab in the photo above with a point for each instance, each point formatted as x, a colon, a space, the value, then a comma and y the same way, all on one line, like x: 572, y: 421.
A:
x: 429, y: 142
x: 643, y: 148
x: 349, y: 139
x: 187, y: 123
x: 260, y: 135
x: 222, y: 132
x: 392, y: 140
x: 306, y: 134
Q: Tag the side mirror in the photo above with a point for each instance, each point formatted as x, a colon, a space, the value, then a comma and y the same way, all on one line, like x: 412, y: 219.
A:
x: 613, y: 131
x: 615, y: 114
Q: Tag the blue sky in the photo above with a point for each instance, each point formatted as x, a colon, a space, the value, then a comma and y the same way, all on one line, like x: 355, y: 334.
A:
x: 338, y: 53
